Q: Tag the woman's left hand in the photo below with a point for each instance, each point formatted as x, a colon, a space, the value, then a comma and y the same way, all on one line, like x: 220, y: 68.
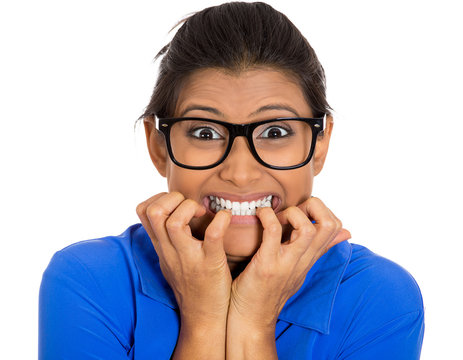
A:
x: 278, y: 270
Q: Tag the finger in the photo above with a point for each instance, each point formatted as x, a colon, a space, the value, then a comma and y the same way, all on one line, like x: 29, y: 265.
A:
x: 156, y: 213
x: 326, y: 223
x: 141, y: 208
x: 304, y: 231
x: 215, y: 232
x: 142, y: 214
x: 271, y: 237
x: 177, y: 225
x: 341, y: 236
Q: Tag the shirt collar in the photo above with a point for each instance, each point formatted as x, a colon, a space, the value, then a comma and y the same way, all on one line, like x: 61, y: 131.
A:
x: 309, y: 307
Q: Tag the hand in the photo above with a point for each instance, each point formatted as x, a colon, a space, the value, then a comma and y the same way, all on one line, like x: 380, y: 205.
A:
x: 196, y: 270
x: 278, y: 270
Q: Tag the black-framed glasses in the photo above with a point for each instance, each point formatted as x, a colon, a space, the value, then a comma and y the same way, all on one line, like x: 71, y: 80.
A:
x: 281, y: 144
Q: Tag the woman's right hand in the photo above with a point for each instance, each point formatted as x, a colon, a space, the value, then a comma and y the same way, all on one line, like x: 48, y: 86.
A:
x: 196, y: 270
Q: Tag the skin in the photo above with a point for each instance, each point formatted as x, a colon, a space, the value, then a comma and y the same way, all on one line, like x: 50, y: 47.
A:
x: 232, y: 280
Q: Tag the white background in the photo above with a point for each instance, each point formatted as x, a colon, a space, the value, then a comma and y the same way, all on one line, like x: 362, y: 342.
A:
x: 75, y: 76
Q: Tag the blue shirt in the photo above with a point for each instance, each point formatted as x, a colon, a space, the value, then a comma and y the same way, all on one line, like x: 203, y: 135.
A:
x: 107, y: 299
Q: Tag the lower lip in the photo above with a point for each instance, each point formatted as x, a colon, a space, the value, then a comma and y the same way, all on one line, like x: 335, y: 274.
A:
x: 244, y: 219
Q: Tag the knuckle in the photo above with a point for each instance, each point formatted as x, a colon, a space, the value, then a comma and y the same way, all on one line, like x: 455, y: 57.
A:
x: 338, y: 224
x: 154, y: 211
x: 267, y: 272
x: 274, y: 229
x: 177, y: 194
x: 308, y: 231
x: 212, y: 234
x: 174, y: 224
x: 140, y: 210
x: 189, y: 202
x: 328, y: 225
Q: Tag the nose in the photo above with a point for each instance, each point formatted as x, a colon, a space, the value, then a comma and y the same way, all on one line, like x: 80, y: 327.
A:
x: 240, y: 167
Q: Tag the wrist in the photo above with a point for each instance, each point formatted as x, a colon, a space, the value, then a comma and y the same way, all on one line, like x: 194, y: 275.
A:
x: 256, y: 323
x: 247, y: 338
x: 203, y: 322
x: 201, y: 340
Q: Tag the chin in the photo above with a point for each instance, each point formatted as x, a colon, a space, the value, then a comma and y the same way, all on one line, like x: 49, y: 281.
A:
x: 242, y: 241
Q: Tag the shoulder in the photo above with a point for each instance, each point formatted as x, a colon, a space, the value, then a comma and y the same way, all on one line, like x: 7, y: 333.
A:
x: 378, y: 311
x: 87, y: 299
x: 389, y: 283
x: 376, y: 297
x: 98, y: 253
x: 102, y: 267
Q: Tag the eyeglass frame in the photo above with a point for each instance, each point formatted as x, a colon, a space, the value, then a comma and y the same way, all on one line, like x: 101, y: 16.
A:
x: 317, y: 125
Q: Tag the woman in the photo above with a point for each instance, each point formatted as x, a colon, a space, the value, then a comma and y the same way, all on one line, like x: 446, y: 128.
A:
x: 238, y: 260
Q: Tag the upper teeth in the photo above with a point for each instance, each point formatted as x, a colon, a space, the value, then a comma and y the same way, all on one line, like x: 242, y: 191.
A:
x: 239, y: 208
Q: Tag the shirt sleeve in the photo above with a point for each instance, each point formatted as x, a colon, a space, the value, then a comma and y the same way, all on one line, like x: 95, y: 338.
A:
x: 77, y: 317
x: 398, y: 339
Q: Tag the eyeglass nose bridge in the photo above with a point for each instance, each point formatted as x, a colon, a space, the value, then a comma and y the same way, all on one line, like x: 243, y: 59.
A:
x: 245, y: 130
x: 240, y: 130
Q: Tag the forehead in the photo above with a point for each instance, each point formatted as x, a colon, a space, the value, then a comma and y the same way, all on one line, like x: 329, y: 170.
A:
x: 241, y: 95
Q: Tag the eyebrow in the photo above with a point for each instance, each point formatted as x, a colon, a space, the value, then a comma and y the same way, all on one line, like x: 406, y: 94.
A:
x: 202, y: 108
x: 258, y: 111
x: 274, y: 107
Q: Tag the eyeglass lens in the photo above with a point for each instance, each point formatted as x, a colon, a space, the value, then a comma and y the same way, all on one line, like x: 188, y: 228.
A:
x: 278, y: 143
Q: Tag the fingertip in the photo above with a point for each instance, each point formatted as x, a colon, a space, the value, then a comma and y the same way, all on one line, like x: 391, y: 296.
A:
x: 225, y: 213
x: 200, y: 211
x: 177, y: 195
x: 282, y: 217
x: 263, y: 210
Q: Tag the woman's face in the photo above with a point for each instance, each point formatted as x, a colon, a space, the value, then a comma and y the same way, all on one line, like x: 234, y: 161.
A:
x: 253, y: 95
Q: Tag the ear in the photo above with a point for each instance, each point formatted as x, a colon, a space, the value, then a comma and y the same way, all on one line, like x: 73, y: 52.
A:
x: 156, y: 145
x: 321, y: 148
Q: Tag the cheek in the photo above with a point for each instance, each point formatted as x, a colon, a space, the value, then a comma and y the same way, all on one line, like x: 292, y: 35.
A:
x: 297, y: 185
x: 187, y: 182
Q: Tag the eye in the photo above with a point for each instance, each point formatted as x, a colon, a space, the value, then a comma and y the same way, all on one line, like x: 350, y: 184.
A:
x: 275, y: 132
x: 205, y: 133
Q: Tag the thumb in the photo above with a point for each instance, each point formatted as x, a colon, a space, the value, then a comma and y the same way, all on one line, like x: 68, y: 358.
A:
x: 342, y: 235
x: 215, y: 232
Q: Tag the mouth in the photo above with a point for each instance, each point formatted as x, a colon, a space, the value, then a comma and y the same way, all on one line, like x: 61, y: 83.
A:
x: 244, y: 208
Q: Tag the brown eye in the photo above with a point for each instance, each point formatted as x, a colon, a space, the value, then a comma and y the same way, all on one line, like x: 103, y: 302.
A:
x: 205, y: 133
x: 274, y: 132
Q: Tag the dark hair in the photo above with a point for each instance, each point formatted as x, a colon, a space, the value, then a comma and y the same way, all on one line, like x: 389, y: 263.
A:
x: 237, y: 36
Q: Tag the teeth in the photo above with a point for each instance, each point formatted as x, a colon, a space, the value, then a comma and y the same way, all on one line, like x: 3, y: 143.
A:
x: 238, y: 208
